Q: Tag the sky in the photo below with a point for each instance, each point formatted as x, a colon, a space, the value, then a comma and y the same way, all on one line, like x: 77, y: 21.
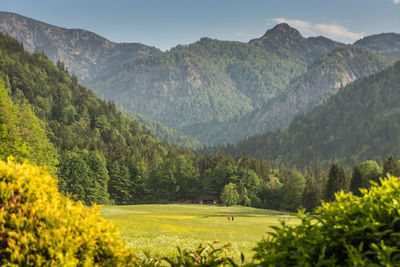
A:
x: 167, y: 23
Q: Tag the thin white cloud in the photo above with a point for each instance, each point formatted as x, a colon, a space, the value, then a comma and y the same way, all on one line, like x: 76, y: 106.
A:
x: 332, y: 31
x: 396, y: 2
x: 241, y: 34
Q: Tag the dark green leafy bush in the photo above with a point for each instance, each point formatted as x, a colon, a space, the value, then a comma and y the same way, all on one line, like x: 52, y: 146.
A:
x: 352, y: 231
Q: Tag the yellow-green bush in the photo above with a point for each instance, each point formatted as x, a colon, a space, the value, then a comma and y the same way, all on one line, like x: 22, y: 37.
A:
x: 39, y: 226
x: 351, y: 231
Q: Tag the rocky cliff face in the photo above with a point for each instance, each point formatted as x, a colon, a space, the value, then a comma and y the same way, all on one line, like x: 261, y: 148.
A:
x: 84, y: 53
x: 324, y: 78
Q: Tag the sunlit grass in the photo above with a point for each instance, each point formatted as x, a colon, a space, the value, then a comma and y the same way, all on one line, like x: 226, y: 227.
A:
x: 159, y: 229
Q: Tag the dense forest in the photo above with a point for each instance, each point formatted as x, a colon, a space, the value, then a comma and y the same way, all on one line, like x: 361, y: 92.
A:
x: 101, y: 156
x: 361, y: 122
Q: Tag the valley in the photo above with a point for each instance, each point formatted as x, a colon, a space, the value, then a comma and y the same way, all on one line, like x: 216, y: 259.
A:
x: 289, y: 133
x: 159, y: 229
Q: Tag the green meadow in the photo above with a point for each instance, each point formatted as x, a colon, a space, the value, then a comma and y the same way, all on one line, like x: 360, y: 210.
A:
x: 159, y: 229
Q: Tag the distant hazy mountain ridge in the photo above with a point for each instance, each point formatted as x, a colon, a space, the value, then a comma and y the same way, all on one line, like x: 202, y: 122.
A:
x: 387, y: 44
x: 84, y: 53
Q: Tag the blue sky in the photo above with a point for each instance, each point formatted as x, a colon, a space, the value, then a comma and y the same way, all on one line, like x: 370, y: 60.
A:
x: 167, y: 23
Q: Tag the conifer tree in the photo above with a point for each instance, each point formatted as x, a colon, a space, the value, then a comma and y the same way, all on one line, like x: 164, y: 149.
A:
x: 356, y: 181
x: 391, y: 166
x: 336, y: 181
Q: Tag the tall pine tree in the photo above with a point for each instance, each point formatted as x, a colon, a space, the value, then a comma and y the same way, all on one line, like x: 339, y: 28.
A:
x: 336, y: 181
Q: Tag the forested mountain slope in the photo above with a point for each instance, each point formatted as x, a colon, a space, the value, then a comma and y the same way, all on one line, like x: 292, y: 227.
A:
x: 208, y: 81
x: 361, y: 122
x: 387, y: 44
x: 165, y: 133
x: 22, y: 134
x: 101, y: 152
x: 323, y: 79
x: 84, y: 53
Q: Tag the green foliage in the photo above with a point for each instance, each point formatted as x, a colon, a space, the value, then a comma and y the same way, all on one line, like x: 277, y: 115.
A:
x: 120, y: 185
x: 22, y: 134
x: 292, y: 193
x: 363, y: 174
x: 41, y: 227
x: 357, y: 181
x: 352, y: 231
x: 203, y: 255
x: 337, y: 181
x: 390, y: 166
x: 314, y: 188
x: 84, y: 175
x: 229, y: 195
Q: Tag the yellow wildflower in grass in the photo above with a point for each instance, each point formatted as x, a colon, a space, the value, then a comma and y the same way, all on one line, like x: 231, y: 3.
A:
x: 159, y: 229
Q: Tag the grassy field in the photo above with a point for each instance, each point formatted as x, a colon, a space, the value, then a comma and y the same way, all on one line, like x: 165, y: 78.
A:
x: 160, y: 228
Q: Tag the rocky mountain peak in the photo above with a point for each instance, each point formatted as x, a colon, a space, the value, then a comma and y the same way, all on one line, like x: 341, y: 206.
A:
x: 279, y: 37
x: 283, y: 32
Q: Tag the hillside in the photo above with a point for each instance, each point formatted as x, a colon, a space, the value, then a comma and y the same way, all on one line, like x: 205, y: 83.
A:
x: 101, y: 153
x: 323, y: 79
x: 84, y: 53
x: 387, y: 44
x: 165, y: 133
x: 360, y: 122
x: 208, y: 81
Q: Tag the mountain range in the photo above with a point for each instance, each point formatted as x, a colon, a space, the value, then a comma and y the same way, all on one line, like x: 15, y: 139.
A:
x: 360, y: 122
x: 85, y: 54
x: 323, y: 78
x: 211, y: 90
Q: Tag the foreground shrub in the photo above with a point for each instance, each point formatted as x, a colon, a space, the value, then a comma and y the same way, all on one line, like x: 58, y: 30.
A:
x: 352, y: 231
x: 39, y: 226
x: 203, y: 255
